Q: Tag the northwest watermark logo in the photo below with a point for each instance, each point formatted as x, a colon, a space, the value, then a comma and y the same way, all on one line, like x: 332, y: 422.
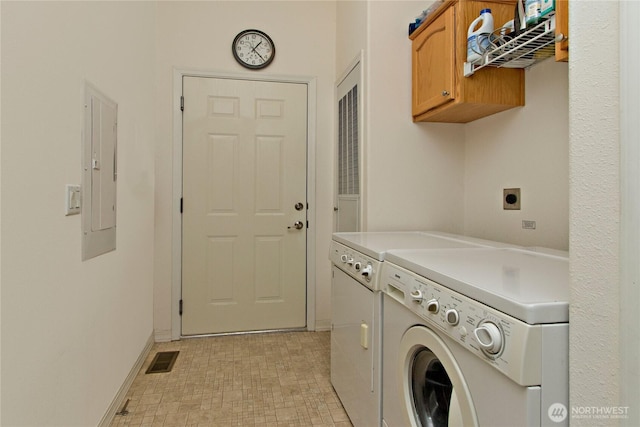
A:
x: 557, y: 412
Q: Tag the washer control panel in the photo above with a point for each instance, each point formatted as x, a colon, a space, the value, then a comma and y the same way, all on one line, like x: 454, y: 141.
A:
x: 361, y: 267
x: 508, y: 344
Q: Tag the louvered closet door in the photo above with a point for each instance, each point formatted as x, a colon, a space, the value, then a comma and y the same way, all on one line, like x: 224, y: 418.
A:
x: 244, y: 151
x: 348, y: 165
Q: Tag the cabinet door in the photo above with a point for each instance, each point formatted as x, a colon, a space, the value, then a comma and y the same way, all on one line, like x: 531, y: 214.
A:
x: 562, y: 27
x: 434, y: 64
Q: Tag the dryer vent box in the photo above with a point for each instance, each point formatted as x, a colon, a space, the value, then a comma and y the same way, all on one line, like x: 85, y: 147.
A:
x: 511, y: 199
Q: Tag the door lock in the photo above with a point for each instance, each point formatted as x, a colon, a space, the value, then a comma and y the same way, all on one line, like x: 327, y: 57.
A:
x: 297, y: 225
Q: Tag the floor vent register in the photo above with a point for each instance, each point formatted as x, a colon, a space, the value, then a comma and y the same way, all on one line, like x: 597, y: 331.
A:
x: 162, y: 362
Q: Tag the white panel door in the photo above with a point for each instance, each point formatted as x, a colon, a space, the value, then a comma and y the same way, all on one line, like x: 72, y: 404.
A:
x: 244, y: 172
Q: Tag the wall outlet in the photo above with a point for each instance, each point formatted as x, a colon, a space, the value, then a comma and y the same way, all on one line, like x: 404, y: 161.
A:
x: 528, y: 225
x: 511, y: 199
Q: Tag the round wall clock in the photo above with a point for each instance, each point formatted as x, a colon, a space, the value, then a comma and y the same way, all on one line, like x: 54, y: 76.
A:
x: 253, y: 49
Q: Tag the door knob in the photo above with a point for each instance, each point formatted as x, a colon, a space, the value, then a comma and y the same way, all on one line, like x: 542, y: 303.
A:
x: 299, y: 206
x: 297, y: 225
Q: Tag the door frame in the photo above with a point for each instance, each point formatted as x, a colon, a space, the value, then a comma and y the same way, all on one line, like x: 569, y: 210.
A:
x: 176, y: 235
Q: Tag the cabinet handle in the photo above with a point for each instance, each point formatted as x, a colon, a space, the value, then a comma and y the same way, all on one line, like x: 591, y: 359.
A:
x: 445, y: 93
x: 561, y: 37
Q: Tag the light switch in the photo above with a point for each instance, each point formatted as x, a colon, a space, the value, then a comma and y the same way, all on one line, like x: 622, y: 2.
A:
x: 72, y: 200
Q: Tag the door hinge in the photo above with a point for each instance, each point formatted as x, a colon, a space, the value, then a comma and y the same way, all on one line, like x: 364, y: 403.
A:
x: 181, y: 103
x: 307, y: 224
x: 180, y: 308
x: 181, y: 205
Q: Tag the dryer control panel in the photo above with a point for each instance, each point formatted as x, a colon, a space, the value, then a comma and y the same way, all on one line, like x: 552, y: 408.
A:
x: 508, y: 344
x: 361, y: 267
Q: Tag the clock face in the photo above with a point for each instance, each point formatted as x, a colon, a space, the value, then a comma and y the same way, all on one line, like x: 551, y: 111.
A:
x: 253, y: 49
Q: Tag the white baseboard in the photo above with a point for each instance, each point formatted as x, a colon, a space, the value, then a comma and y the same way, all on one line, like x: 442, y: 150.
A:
x: 323, y: 325
x: 163, y: 335
x: 122, y: 393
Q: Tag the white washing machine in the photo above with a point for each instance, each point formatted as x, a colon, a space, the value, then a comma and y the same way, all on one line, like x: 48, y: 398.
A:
x: 356, y: 313
x: 475, y: 337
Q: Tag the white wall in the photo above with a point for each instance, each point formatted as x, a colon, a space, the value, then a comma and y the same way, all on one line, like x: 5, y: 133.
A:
x: 448, y: 176
x: 72, y: 330
x: 415, y: 170
x: 351, y: 32
x: 59, y: 312
x: 630, y: 205
x: 198, y: 35
x: 401, y: 158
x: 595, y: 207
x: 526, y: 148
x: 0, y: 222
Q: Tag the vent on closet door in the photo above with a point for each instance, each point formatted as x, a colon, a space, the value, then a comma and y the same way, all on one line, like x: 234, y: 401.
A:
x: 348, y: 154
x: 349, y: 142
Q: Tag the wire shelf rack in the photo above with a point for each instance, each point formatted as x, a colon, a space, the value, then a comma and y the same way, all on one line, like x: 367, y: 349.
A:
x: 532, y: 46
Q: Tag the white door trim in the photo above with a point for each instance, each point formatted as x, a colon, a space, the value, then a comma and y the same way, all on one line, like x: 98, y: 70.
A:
x: 176, y: 238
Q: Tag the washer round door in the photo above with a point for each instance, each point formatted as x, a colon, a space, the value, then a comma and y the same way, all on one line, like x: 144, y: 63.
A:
x: 432, y: 385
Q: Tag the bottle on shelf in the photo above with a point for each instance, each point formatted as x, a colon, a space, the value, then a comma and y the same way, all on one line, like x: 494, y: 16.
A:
x: 478, y: 35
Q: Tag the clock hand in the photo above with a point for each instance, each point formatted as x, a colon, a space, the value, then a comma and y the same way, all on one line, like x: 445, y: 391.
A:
x: 256, y: 52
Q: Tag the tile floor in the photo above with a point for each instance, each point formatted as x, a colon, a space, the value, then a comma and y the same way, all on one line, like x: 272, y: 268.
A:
x: 271, y: 379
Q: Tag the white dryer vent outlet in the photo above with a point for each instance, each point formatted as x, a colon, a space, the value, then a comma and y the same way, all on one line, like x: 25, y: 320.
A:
x: 511, y: 199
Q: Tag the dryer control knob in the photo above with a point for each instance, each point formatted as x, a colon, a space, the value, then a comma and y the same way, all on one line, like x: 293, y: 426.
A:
x: 343, y: 258
x: 433, y: 306
x: 416, y: 295
x: 367, y: 270
x: 357, y: 266
x: 489, y: 337
x: 350, y: 261
x: 452, y: 316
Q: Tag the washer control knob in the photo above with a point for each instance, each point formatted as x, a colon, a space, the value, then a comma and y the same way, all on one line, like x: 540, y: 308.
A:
x: 366, y: 272
x: 416, y: 295
x: 343, y: 258
x: 350, y: 261
x: 433, y: 306
x: 489, y: 337
x: 452, y: 316
x: 463, y: 331
x: 357, y: 266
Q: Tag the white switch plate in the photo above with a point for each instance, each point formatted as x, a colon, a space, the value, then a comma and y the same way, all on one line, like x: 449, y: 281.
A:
x: 72, y: 200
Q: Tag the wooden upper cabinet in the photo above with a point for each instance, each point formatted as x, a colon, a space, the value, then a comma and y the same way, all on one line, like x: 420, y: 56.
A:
x: 441, y: 93
x: 433, y: 54
x: 562, y: 29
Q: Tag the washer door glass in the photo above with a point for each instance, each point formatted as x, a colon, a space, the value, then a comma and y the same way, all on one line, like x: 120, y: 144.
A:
x: 431, y: 389
x: 431, y: 383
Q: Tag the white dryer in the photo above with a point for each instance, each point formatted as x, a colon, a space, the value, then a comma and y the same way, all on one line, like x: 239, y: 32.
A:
x: 356, y: 312
x: 475, y: 337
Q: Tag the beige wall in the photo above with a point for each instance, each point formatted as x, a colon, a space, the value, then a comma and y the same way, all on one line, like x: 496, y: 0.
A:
x: 414, y: 171
x: 351, y: 32
x: 58, y: 312
x: 72, y: 330
x: 400, y: 158
x: 526, y: 148
x: 198, y: 35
